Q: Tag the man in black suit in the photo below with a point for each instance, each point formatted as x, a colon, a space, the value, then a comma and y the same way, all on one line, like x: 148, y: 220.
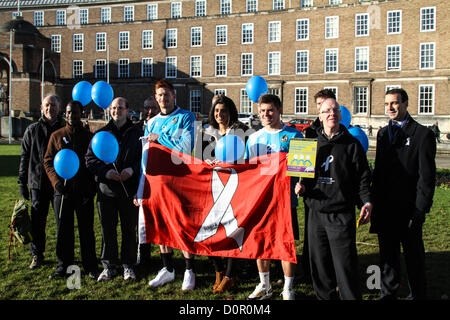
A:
x: 403, y: 189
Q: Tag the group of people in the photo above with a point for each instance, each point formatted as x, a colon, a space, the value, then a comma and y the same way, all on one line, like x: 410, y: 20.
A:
x: 394, y: 198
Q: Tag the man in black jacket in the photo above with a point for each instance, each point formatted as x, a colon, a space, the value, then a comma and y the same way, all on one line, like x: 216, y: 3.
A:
x: 311, y: 133
x: 115, y: 191
x: 403, y: 189
x: 342, y: 181
x: 32, y: 173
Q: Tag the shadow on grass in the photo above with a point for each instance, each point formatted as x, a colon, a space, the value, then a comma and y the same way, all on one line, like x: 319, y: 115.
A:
x: 438, y: 282
x: 9, y: 165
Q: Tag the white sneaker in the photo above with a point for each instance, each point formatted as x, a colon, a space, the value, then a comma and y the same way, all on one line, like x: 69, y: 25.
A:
x: 188, y: 281
x: 288, y: 294
x: 107, y: 274
x: 128, y: 274
x: 163, y: 277
x: 261, y: 293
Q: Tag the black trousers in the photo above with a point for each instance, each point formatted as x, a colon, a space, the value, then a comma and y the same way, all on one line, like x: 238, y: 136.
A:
x: 333, y: 256
x: 110, y: 209
x: 414, y: 253
x: 40, y: 203
x: 84, y: 209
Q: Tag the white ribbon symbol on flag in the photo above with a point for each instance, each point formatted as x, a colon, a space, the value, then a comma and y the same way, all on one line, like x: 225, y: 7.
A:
x: 221, y: 212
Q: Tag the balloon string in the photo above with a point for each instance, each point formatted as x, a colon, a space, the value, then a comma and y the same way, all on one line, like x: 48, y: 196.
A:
x: 62, y: 200
x: 124, y: 189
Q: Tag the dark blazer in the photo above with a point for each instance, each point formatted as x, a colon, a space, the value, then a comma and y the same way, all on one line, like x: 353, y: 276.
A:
x: 130, y: 152
x: 404, y: 176
x: 34, y: 145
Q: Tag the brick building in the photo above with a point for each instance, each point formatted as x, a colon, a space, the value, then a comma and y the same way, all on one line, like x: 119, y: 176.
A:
x: 358, y: 48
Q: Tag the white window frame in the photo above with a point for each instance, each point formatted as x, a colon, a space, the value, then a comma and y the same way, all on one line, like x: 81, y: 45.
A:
x: 423, y: 18
x: 360, y: 53
x: 83, y: 16
x: 100, y: 41
x: 200, y: 8
x: 55, y: 43
x: 362, y: 25
x: 123, y: 63
x: 300, y: 57
x: 78, y: 42
x: 146, y: 62
x: 124, y: 40
x: 430, y: 64
x: 306, y: 3
x: 394, y: 18
x: 245, y: 104
x: 274, y: 31
x: 195, y: 66
x: 223, y: 61
x: 419, y: 99
x: 299, y: 26
x: 277, y: 5
x: 361, y: 108
x: 273, y: 66
x: 301, y: 100
x: 196, y: 36
x: 332, y: 27
x: 328, y: 53
x: 176, y: 10
x: 128, y: 13
x: 171, y: 67
x: 147, y: 39
x: 152, y: 11
x: 61, y: 18
x: 246, y: 64
x: 394, y: 58
x: 98, y: 63
x: 221, y: 30
x: 247, y: 33
x: 251, y: 6
x: 77, y: 69
x: 171, y: 38
x: 105, y: 15
x: 38, y: 18
x: 226, y: 7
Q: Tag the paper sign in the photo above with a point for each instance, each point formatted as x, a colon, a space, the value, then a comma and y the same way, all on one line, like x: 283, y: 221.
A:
x: 302, y: 158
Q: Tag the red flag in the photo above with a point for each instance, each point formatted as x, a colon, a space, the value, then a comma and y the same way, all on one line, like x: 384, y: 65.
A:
x: 240, y: 211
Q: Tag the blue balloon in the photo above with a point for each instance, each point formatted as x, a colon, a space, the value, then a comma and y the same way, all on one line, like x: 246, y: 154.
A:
x: 102, y: 94
x: 82, y: 92
x: 66, y: 163
x: 105, y: 146
x: 230, y: 148
x: 346, y: 116
x: 256, y: 86
x: 359, y: 134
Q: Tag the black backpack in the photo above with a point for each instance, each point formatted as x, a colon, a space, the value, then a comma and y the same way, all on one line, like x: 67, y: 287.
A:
x: 20, y: 225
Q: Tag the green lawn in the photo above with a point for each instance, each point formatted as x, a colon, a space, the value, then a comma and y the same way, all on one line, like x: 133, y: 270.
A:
x: 19, y: 282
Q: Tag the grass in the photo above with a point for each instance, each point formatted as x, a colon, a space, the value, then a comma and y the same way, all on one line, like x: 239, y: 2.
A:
x: 18, y: 282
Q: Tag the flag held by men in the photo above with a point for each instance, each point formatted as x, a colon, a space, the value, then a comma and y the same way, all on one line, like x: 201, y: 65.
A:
x: 240, y: 211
